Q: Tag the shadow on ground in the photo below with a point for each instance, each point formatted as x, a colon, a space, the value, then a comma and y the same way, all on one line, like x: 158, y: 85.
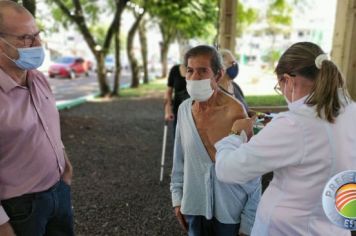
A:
x: 115, y: 148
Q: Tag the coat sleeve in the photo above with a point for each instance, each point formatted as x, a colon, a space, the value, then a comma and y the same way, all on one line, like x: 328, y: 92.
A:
x: 278, y: 145
x: 177, y: 176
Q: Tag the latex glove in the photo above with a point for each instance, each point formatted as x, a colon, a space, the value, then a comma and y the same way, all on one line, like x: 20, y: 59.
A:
x: 246, y: 125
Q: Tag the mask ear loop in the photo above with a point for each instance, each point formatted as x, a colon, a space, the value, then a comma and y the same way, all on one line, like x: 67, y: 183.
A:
x: 5, y: 41
x: 292, y: 89
x: 285, y: 87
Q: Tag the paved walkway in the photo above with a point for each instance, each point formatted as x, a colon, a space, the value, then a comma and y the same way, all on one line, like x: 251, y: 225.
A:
x: 69, y: 93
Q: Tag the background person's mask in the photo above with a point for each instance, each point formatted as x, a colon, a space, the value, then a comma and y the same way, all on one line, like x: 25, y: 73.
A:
x: 199, y: 90
x: 232, y: 71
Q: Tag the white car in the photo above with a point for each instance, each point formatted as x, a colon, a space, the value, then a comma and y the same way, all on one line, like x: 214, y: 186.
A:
x: 110, y: 63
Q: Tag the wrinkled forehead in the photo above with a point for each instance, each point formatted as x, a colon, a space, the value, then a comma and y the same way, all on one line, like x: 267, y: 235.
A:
x: 17, y: 21
x: 199, y: 61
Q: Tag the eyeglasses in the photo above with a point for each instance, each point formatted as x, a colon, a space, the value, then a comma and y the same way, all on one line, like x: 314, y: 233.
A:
x: 277, y: 87
x: 27, y: 39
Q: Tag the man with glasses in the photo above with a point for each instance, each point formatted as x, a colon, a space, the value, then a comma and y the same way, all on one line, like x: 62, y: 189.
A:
x: 35, y: 172
x: 203, y: 205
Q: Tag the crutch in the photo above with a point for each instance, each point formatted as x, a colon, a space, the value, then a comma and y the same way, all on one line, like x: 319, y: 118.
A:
x: 163, y: 149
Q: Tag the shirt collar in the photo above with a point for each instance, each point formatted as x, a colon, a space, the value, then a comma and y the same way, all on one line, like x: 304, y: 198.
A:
x: 297, y: 104
x: 7, y: 83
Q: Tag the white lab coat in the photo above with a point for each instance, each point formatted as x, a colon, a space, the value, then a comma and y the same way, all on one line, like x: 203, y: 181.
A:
x: 303, y: 152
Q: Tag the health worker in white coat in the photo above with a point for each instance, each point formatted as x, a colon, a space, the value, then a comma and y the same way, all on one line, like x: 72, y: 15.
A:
x: 304, y: 147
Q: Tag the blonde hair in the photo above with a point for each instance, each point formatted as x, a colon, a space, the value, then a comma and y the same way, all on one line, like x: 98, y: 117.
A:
x: 225, y: 54
x: 299, y: 59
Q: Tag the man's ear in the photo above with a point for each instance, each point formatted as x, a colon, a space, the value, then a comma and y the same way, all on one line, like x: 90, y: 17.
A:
x: 220, y: 74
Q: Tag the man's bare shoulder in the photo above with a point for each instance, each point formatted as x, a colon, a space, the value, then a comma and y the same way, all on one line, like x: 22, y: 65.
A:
x: 234, y: 105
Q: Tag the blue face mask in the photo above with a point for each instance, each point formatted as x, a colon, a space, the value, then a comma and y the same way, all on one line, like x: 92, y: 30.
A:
x: 232, y: 71
x: 29, y: 58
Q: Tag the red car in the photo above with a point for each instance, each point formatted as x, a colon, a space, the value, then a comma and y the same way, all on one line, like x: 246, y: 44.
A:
x: 69, y: 67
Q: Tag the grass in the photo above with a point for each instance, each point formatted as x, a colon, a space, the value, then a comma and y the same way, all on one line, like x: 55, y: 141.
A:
x: 265, y: 100
x: 159, y: 86
x: 154, y: 87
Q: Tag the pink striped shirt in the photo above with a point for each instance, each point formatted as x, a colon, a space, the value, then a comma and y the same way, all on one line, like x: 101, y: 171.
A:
x: 31, y: 150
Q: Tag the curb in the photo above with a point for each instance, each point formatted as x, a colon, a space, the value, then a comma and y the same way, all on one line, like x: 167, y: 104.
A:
x: 67, y: 104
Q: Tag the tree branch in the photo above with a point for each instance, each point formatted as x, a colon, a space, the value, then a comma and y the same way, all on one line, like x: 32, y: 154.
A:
x: 120, y: 5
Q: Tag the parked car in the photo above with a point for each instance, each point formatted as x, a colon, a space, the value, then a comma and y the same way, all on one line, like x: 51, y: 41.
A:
x: 69, y: 67
x: 110, y: 63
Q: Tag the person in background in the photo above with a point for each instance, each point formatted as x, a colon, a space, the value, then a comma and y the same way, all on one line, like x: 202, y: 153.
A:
x: 35, y: 172
x: 203, y: 205
x: 231, y: 71
x: 176, y: 86
x: 304, y: 147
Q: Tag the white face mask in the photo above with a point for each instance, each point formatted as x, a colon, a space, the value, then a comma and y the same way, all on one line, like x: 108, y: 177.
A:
x: 284, y: 94
x: 199, y: 90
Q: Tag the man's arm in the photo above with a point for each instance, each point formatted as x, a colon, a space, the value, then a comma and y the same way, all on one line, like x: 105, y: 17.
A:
x: 168, y: 113
x: 5, y: 227
x: 68, y: 170
x: 6, y: 230
x: 177, y: 179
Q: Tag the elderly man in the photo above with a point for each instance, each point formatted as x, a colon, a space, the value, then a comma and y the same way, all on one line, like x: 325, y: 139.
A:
x: 203, y: 204
x: 35, y: 172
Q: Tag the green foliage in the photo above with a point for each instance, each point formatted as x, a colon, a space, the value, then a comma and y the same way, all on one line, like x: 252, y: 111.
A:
x: 155, y: 87
x: 271, y: 57
x: 185, y: 18
x: 92, y: 10
x: 244, y: 18
x: 279, y: 15
x: 99, y: 33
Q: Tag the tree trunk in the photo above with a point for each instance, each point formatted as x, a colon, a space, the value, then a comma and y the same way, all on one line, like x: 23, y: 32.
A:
x: 183, y: 48
x: 168, y: 34
x: 101, y: 73
x: 164, y: 58
x: 99, y: 52
x: 30, y: 5
x: 135, y: 80
x: 117, y: 75
x: 143, y: 41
